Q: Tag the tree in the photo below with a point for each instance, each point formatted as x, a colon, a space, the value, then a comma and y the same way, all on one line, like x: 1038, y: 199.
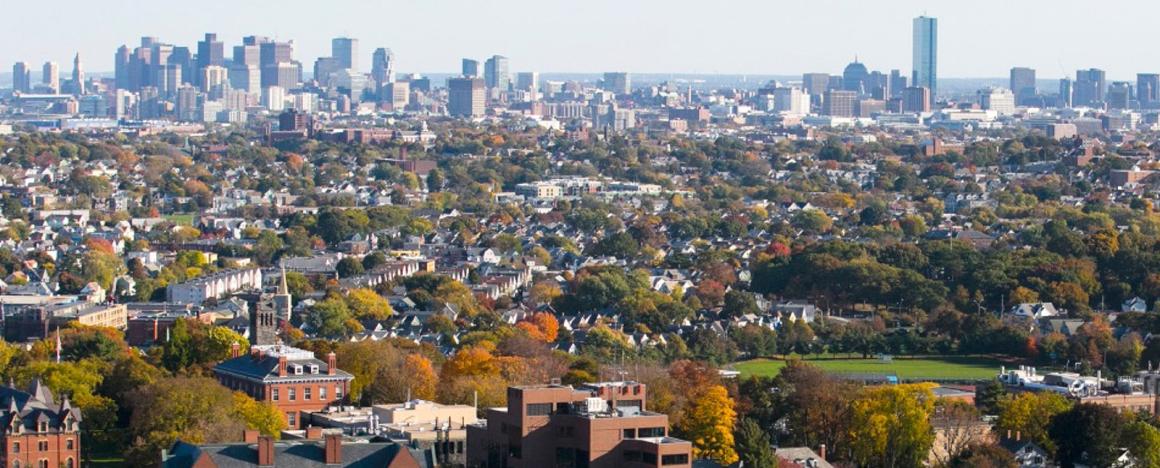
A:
x: 812, y: 221
x: 738, y: 303
x: 197, y: 410
x: 1143, y: 441
x: 348, y: 267
x: 541, y: 326
x: 367, y: 304
x: 259, y: 415
x: 754, y: 448
x: 708, y: 422
x: 958, y: 422
x: 332, y: 318
x: 988, y: 396
x: 890, y: 425
x: 1088, y: 433
x: 814, y: 404
x: 1030, y: 414
x: 984, y: 456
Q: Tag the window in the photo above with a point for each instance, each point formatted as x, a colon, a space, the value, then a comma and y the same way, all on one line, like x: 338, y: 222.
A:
x: 68, y: 444
x: 647, y: 457
x: 291, y: 418
x: 338, y: 392
x: 630, y: 433
x: 42, y: 445
x: 69, y: 463
x: 306, y: 393
x: 274, y: 394
x: 293, y: 395
x: 42, y: 463
x: 539, y: 409
x: 563, y: 408
x: 651, y: 432
x: 16, y: 447
x: 678, y: 459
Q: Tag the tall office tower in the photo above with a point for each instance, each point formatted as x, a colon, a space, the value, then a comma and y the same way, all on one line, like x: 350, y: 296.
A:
x: 791, y: 100
x: 1023, y: 84
x: 999, y: 100
x: 398, y: 94
x: 854, y: 77
x: 1120, y: 95
x: 897, y: 82
x: 530, y: 82
x: 255, y: 40
x: 170, y: 79
x: 383, y: 66
x: 50, y: 77
x: 324, y: 70
x: 916, y: 99
x: 345, y: 51
x: 158, y: 59
x: 1066, y: 93
x: 1148, y: 90
x: 470, y: 68
x: 246, y: 77
x: 185, y: 100
x: 617, y: 82
x: 271, y: 56
x: 465, y: 97
x: 183, y: 58
x: 839, y: 103
x: 815, y: 83
x: 121, y: 65
x: 247, y: 55
x: 21, y: 78
x: 495, y: 73
x: 925, y: 71
x: 211, y: 76
x: 286, y: 75
x: 78, y: 75
x: 211, y: 51
x: 1090, y: 86
x: 878, y: 85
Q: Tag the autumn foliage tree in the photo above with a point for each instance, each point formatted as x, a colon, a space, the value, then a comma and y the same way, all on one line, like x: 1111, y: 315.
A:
x: 708, y: 422
x: 890, y: 425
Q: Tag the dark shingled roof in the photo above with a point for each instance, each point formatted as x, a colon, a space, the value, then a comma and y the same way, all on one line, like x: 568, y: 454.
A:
x: 294, y: 454
x: 34, y: 405
x: 266, y: 369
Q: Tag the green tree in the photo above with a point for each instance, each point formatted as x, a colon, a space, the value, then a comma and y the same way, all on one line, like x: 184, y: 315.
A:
x: 753, y: 445
x: 348, y: 267
x: 197, y: 410
x: 1088, y: 434
x: 1143, y: 441
x: 332, y: 318
x: 1030, y: 414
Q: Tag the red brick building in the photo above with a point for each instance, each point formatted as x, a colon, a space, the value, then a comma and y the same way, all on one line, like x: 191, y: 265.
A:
x: 595, y: 425
x: 36, y: 431
x: 292, y: 379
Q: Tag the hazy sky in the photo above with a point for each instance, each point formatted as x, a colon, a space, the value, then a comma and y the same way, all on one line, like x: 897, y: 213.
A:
x: 979, y: 38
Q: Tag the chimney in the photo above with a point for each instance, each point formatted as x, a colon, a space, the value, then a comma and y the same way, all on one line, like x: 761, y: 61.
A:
x: 256, y: 353
x: 1018, y: 435
x: 822, y: 451
x: 331, y: 363
x: 235, y: 350
x: 1008, y: 433
x: 250, y: 436
x: 282, y: 366
x: 333, y: 449
x: 265, y: 451
x: 313, y: 433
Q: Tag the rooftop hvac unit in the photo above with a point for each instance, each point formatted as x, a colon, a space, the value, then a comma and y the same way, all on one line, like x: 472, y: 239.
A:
x: 595, y: 405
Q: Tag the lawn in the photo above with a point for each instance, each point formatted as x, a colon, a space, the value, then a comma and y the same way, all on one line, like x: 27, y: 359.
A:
x: 182, y: 219
x: 933, y: 368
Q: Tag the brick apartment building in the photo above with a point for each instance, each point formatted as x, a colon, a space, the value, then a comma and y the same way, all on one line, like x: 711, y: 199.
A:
x: 292, y: 379
x: 595, y: 425
x: 36, y: 431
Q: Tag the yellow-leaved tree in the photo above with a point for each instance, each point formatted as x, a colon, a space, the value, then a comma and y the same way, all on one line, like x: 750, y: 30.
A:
x: 708, y: 422
x: 890, y: 425
x: 1029, y: 414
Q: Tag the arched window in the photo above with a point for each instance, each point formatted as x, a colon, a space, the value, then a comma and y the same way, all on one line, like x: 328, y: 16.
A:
x: 69, y: 463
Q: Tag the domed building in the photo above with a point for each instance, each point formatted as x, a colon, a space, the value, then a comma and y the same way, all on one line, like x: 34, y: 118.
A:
x: 854, y: 77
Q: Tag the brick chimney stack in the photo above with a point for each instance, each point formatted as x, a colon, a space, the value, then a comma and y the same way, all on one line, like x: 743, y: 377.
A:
x: 331, y: 363
x: 281, y: 366
x: 235, y: 350
x: 265, y: 451
x: 333, y: 449
x: 822, y: 451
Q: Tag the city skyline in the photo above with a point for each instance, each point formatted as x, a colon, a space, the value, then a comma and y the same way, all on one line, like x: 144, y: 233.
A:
x: 679, y: 40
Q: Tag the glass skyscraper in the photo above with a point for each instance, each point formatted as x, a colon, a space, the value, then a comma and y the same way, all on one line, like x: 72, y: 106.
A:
x: 925, y: 73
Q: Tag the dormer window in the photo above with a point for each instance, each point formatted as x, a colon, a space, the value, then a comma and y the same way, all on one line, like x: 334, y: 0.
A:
x: 314, y: 368
x: 297, y: 369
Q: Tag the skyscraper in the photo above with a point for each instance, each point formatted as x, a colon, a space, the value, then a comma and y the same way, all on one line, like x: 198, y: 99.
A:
x: 854, y: 77
x: 916, y: 99
x: 465, y: 97
x: 839, y: 103
x: 617, y: 82
x: 470, y: 68
x: 50, y: 76
x: 1023, y: 84
x: 78, y: 75
x: 1148, y: 89
x: 925, y: 71
x: 271, y: 56
x: 495, y: 72
x: 530, y: 82
x: 1120, y: 95
x: 345, y: 51
x: 999, y: 100
x: 122, y: 63
x: 1090, y: 86
x: 1066, y: 92
x: 21, y: 78
x: 383, y: 66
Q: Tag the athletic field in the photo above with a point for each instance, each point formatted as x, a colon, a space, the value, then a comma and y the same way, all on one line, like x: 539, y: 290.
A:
x: 933, y: 368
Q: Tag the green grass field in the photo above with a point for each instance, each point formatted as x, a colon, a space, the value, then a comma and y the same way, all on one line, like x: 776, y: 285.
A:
x: 183, y: 219
x: 934, y: 368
